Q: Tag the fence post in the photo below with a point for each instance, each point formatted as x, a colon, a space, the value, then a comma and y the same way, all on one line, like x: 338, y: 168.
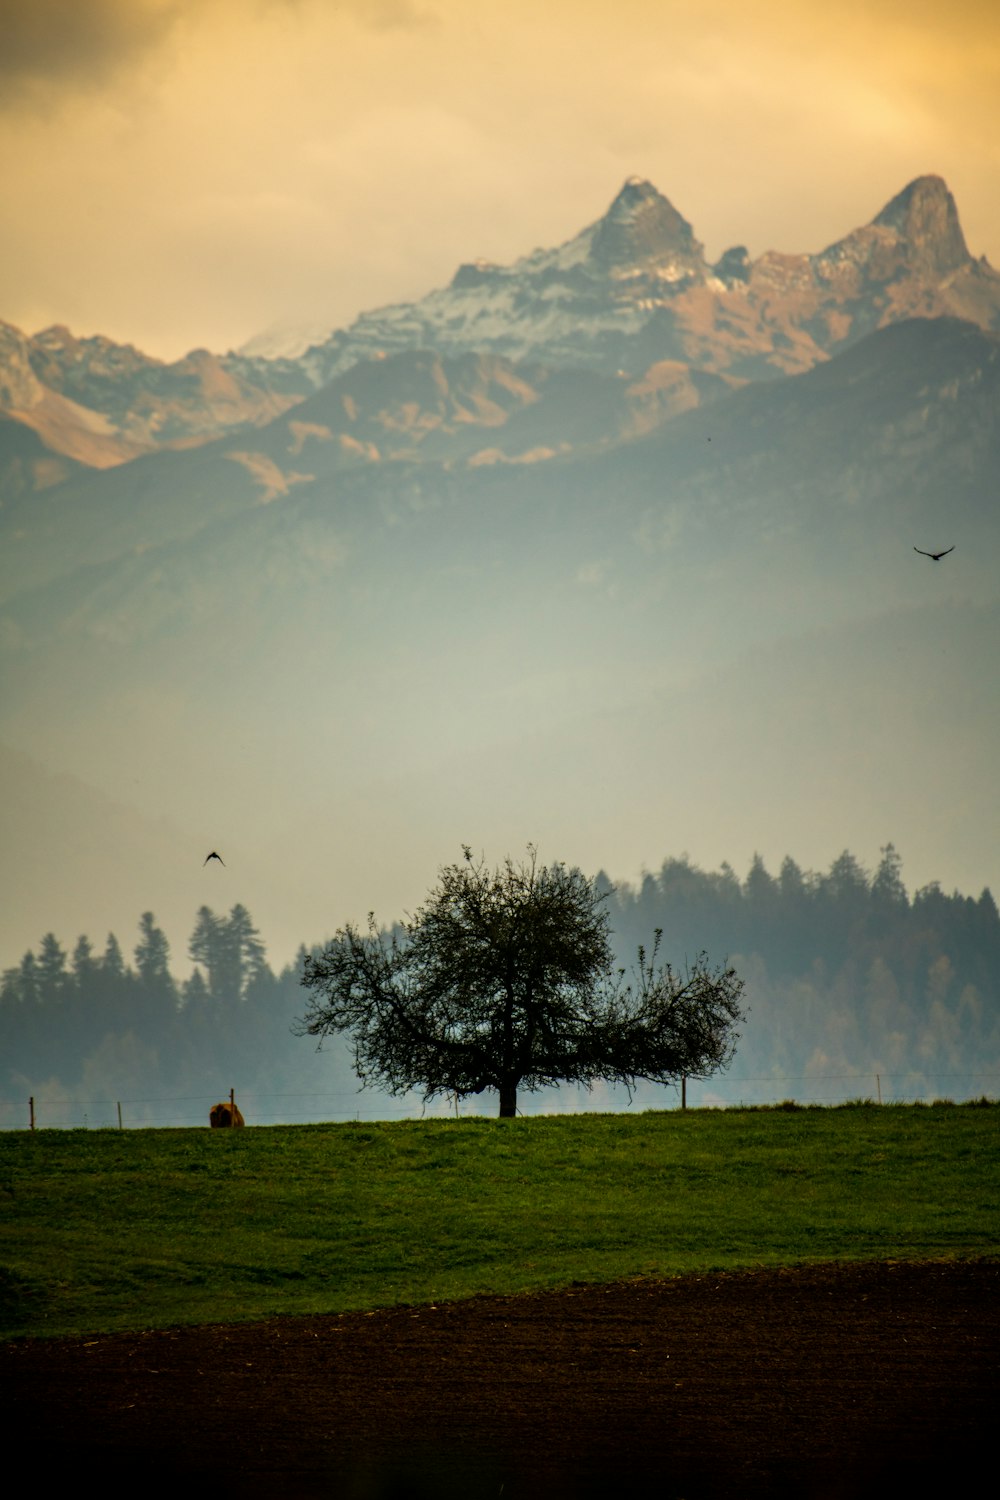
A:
x: 31, y: 1110
x: 684, y: 1091
x: 119, y: 1114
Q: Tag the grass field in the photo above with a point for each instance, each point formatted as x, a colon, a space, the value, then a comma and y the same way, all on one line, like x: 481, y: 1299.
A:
x: 105, y: 1230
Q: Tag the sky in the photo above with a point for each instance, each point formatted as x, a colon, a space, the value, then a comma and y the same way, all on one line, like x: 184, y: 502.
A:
x: 189, y: 173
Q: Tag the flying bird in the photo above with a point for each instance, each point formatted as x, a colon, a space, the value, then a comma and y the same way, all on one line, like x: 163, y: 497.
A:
x: 934, y: 556
x: 213, y: 855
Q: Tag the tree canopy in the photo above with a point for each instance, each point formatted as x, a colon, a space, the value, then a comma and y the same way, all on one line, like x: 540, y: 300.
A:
x: 503, y: 980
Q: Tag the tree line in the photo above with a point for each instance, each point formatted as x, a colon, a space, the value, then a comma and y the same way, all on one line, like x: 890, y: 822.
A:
x: 845, y: 972
x: 93, y: 1023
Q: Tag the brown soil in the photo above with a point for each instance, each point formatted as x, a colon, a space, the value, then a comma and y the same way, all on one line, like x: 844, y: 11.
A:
x: 829, y: 1381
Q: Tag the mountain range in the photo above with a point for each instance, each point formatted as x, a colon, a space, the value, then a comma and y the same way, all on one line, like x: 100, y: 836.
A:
x: 631, y: 297
x: 610, y: 549
x: 635, y: 288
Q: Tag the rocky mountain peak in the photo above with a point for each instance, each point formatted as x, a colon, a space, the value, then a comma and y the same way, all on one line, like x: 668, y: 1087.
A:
x: 642, y: 227
x: 633, y: 288
x: 925, y: 216
x: 629, y: 291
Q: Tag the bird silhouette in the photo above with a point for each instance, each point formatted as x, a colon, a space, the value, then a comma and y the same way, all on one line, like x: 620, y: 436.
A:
x: 934, y: 556
x: 213, y: 855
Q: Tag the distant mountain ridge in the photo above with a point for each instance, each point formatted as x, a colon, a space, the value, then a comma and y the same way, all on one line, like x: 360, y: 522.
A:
x: 105, y: 403
x: 630, y: 292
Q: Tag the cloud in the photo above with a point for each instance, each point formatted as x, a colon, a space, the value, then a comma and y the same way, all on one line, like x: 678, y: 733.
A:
x: 50, y: 43
x: 54, y: 47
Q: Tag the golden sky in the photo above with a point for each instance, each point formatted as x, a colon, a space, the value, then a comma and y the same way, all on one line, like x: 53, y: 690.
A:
x: 177, y: 173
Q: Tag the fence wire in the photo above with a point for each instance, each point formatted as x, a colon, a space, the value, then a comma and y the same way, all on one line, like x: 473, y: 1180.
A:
x: 72, y: 1112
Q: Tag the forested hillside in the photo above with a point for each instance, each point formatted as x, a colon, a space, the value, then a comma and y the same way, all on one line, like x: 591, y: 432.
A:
x: 84, y: 1030
x: 852, y: 986
x: 848, y: 976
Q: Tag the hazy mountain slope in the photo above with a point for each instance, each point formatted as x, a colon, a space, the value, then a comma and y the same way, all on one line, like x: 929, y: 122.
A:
x: 898, y: 431
x: 416, y: 406
x: 708, y: 638
x: 893, y: 444
x: 27, y: 464
x: 903, y: 422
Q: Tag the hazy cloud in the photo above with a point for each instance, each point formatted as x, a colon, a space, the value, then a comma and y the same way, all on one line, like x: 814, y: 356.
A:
x: 392, y: 15
x: 50, y: 43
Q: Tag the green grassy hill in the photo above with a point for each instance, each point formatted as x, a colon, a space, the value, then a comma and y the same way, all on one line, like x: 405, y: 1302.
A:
x: 148, y: 1228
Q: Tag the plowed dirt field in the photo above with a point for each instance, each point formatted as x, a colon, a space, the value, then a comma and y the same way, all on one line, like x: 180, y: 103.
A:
x: 832, y: 1381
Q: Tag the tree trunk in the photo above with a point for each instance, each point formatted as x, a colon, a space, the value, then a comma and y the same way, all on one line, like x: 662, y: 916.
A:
x: 508, y: 1099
